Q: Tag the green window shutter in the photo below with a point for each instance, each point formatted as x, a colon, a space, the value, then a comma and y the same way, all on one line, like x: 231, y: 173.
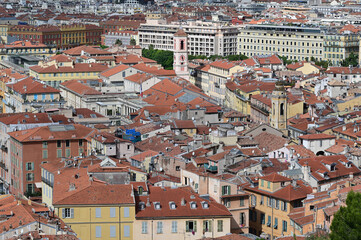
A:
x: 195, y: 226
x: 229, y: 190
x: 204, y: 225
x: 187, y: 226
x: 210, y: 226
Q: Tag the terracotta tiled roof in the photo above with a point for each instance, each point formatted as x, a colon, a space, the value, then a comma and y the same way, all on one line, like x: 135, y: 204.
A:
x: 100, y: 194
x: 301, y: 151
x: 80, y: 88
x: 154, y: 70
x: 76, y: 68
x: 164, y: 196
x: 180, y: 33
x: 77, y: 51
x: 317, y: 136
x: 274, y: 177
x: 183, y: 124
x: 318, y: 167
x: 31, y: 86
x: 223, y: 64
x: 138, y: 77
x: 112, y: 71
x: 24, y: 118
x: 165, y: 86
x: 141, y: 156
x: 52, y: 133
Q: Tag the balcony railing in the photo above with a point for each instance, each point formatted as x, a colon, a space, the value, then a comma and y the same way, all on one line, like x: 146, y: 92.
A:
x: 210, y: 168
x: 47, y: 182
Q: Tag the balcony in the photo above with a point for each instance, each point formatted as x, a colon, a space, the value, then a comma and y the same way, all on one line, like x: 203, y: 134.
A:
x: 210, y: 168
x: 261, y: 109
x: 47, y: 182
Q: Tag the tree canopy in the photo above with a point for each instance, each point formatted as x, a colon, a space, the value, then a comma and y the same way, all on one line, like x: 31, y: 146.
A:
x: 163, y: 57
x: 346, y: 224
x: 352, y: 60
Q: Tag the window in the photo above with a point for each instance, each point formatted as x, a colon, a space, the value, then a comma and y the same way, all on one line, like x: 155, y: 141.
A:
x: 263, y: 218
x: 67, y: 143
x: 275, y: 226
x: 268, y: 184
x: 174, y: 226
x: 226, y: 190
x: 98, y: 212
x: 277, y: 205
x: 219, y: 225
x: 284, y: 206
x: 126, y: 231
x: 112, y: 212
x: 284, y: 226
x: 112, y: 232
x: 241, y: 202
x: 67, y: 153
x: 269, y: 221
x: 191, y: 226
x: 262, y: 183
x: 30, y: 177
x: 144, y: 227
x: 80, y: 142
x: 98, y: 231
x: 253, y: 200
x: 45, y: 144
x: 80, y: 151
x: 126, y: 212
x: 226, y: 202
x: 68, y: 212
x: 242, y: 219
x: 45, y: 154
x: 262, y: 200
x: 207, y: 226
x: 159, y: 227
x: 58, y: 153
x: 29, y: 166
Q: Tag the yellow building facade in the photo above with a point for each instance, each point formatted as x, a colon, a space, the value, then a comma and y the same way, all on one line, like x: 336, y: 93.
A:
x: 99, y: 221
x: 270, y: 204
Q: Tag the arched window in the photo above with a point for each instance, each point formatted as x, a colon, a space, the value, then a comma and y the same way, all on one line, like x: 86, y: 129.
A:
x: 182, y: 44
x: 282, y: 110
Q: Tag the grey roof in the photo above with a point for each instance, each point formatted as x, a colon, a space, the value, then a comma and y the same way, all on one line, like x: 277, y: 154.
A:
x: 186, y: 98
x: 293, y: 172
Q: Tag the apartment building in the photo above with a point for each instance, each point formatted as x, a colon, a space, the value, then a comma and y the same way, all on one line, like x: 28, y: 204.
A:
x: 271, y: 202
x: 41, y: 145
x: 29, y: 95
x: 179, y: 213
x: 204, y: 38
x: 296, y: 43
x: 339, y: 46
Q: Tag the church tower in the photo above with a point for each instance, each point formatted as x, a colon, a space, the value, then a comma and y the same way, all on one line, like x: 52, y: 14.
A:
x: 278, y: 117
x: 180, y: 62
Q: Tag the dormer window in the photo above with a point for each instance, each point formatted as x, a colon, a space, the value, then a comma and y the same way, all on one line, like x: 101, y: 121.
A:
x: 333, y: 167
x: 205, y: 205
x: 172, y: 205
x: 349, y: 164
x: 141, y: 205
x: 140, y: 190
x: 157, y: 205
x: 193, y: 205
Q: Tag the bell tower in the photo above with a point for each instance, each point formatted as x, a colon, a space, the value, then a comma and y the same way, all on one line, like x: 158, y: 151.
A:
x: 278, y: 117
x: 180, y: 62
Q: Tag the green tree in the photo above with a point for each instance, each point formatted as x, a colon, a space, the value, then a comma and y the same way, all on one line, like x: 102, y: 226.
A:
x: 165, y: 58
x: 346, y: 224
x: 286, y: 61
x: 133, y: 42
x: 351, y: 60
x: 118, y: 42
